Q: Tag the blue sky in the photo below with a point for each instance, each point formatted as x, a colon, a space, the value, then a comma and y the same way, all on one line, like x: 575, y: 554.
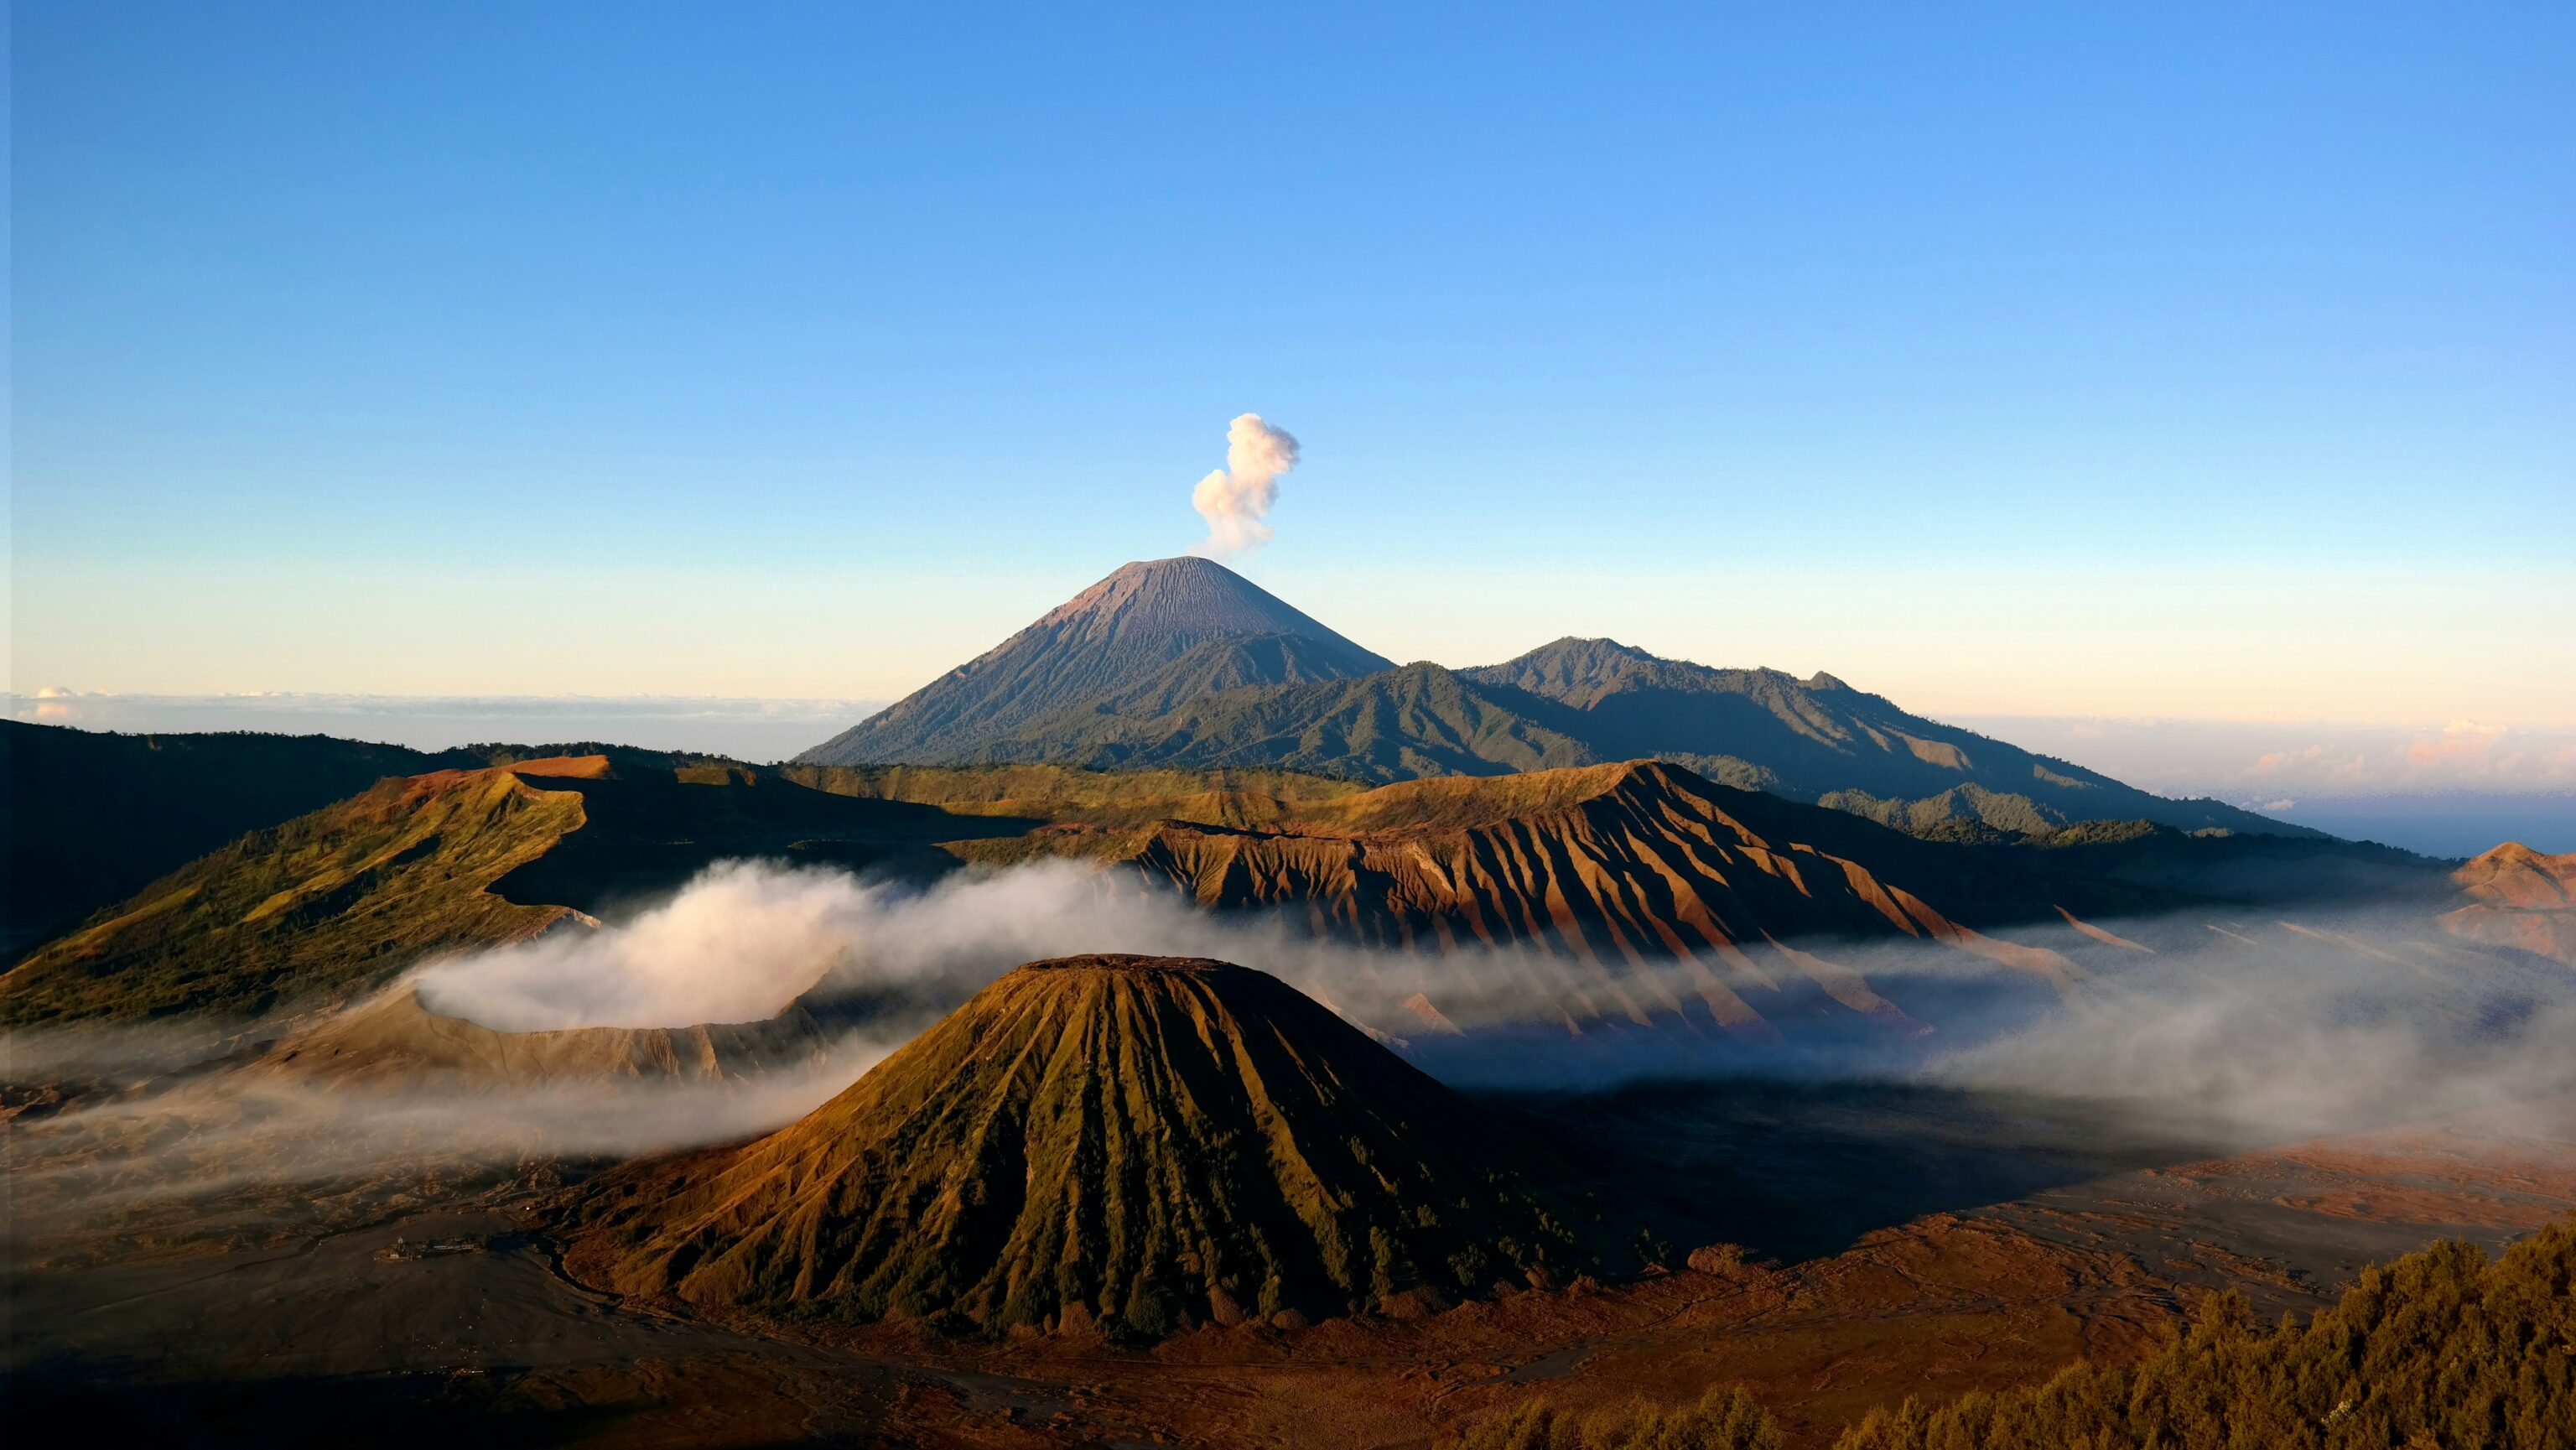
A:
x: 2185, y: 362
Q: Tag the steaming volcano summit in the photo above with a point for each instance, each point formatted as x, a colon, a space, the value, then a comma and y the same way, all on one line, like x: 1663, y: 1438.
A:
x: 1151, y: 635
x: 1132, y: 1142
x: 1181, y: 663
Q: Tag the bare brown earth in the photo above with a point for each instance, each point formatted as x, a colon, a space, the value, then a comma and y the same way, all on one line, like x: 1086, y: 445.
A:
x: 1603, y: 870
x: 1132, y: 1144
x: 1844, y: 1246
x: 2521, y: 899
x: 427, y: 1321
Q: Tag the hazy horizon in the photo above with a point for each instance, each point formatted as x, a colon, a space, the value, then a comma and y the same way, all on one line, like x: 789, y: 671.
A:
x: 2448, y: 790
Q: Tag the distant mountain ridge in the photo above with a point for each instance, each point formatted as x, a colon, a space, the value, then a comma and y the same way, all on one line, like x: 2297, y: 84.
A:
x: 1179, y: 663
x: 1821, y: 740
x: 1192, y: 623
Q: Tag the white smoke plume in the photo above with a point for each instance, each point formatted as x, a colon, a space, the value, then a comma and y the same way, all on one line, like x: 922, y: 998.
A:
x: 1236, y: 499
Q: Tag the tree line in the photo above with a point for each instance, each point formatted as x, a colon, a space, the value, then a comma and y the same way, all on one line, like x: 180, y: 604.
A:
x: 2442, y: 1349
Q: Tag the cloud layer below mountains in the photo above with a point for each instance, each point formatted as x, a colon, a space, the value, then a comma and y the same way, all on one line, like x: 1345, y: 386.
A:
x: 743, y: 728
x: 2303, y: 1024
x: 2330, y: 1023
x: 2450, y: 790
x: 2230, y: 758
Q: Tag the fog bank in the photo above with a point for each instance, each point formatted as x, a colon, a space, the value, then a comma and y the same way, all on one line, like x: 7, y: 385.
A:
x: 2299, y: 1024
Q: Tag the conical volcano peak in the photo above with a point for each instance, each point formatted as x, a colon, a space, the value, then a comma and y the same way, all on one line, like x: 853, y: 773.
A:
x: 1156, y: 630
x: 1187, y: 598
x: 1153, y: 1142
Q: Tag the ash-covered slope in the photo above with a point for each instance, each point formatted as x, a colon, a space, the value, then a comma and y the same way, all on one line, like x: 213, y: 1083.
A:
x: 1135, y: 1143
x: 1148, y: 636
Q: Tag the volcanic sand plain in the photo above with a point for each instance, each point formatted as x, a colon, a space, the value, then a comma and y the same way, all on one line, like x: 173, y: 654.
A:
x: 1857, y: 1244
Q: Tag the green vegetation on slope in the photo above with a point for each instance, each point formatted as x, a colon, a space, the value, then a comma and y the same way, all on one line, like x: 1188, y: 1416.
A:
x: 1821, y: 740
x: 1724, y: 1419
x: 1420, y: 720
x: 91, y: 817
x: 326, y: 904
x: 1810, y: 737
x: 341, y: 898
x: 1062, y: 793
x: 2014, y: 814
x: 1131, y: 1143
x: 2438, y: 1349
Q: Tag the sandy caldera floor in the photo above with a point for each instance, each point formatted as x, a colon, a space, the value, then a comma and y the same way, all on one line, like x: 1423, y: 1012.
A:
x: 1896, y: 1242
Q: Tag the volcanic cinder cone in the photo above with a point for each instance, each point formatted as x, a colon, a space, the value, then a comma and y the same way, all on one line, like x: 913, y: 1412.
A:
x: 1132, y: 1142
x: 1149, y: 636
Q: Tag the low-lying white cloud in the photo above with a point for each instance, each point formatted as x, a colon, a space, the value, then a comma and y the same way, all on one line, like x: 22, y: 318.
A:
x: 2290, y: 1028
x: 737, y: 945
x: 745, y: 938
x: 2300, y: 1026
x: 205, y: 1158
